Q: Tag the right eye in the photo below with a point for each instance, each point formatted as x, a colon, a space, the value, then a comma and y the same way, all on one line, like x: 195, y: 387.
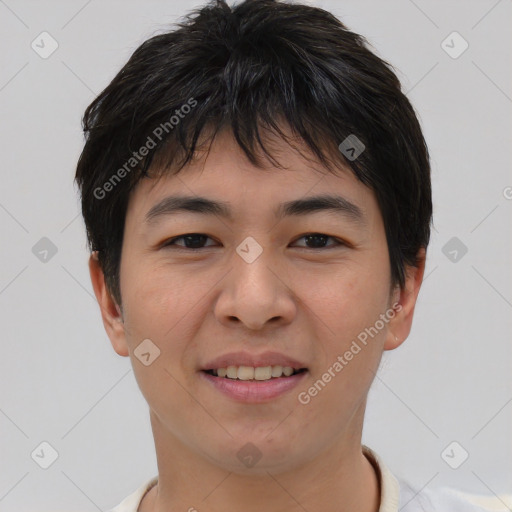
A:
x: 319, y: 241
x: 192, y: 241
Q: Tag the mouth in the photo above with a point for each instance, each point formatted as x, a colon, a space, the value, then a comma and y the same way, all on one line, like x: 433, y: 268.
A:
x: 253, y: 378
x: 254, y: 385
x: 251, y: 373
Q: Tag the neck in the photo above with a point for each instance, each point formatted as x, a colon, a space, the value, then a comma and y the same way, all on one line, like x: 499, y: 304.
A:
x: 339, y: 480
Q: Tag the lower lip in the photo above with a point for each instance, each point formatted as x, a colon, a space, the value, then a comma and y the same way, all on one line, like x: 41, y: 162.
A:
x: 253, y: 391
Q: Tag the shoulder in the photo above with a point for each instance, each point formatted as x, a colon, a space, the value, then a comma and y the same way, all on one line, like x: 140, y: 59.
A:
x: 448, y: 500
x: 131, y: 503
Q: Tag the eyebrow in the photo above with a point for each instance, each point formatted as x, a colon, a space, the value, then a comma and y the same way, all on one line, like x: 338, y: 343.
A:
x: 299, y: 207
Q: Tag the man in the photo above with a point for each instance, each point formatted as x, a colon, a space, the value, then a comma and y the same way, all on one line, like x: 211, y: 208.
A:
x: 256, y: 191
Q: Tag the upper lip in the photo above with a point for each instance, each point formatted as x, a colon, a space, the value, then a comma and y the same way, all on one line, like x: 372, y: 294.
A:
x: 268, y: 358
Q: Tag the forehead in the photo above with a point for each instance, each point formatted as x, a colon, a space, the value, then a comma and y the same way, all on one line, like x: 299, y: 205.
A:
x: 224, y: 174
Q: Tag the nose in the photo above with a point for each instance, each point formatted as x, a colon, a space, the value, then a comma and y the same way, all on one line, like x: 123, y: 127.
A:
x: 256, y: 294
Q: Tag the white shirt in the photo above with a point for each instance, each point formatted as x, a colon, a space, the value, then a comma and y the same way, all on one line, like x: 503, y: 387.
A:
x: 395, y: 496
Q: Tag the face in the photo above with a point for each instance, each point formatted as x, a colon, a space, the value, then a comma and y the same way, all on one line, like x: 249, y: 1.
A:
x: 271, y: 284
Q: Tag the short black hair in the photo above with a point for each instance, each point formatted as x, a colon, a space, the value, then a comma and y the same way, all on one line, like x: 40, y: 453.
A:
x: 254, y: 66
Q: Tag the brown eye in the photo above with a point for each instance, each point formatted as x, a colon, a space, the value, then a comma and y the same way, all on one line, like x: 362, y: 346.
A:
x: 319, y: 240
x: 195, y: 241
x: 190, y: 241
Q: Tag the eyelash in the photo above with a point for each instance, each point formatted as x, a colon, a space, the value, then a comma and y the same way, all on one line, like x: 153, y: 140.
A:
x: 171, y: 242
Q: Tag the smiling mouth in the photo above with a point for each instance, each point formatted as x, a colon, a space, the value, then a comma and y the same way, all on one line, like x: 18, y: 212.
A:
x: 249, y: 373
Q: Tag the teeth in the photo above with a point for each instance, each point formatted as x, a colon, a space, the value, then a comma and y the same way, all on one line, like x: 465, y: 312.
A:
x: 245, y: 373
x: 263, y: 373
x: 287, y: 371
x: 231, y: 372
x: 277, y: 371
x: 252, y: 373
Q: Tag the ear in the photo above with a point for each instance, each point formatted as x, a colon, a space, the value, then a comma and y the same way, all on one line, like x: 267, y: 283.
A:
x: 404, y: 301
x: 110, y: 311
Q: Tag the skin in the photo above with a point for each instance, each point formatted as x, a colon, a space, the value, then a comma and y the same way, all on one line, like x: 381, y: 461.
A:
x: 306, y: 302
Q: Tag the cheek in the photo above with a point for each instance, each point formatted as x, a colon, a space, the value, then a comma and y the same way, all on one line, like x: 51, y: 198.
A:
x: 155, y: 294
x: 345, y: 311
x: 168, y: 307
x: 347, y: 300
x: 346, y: 308
x: 158, y: 308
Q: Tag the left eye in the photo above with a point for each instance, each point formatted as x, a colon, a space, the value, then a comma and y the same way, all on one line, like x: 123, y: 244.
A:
x: 193, y: 239
x: 318, y: 239
x: 196, y: 240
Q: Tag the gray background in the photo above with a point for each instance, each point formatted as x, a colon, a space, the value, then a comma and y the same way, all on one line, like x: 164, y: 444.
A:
x: 61, y: 380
